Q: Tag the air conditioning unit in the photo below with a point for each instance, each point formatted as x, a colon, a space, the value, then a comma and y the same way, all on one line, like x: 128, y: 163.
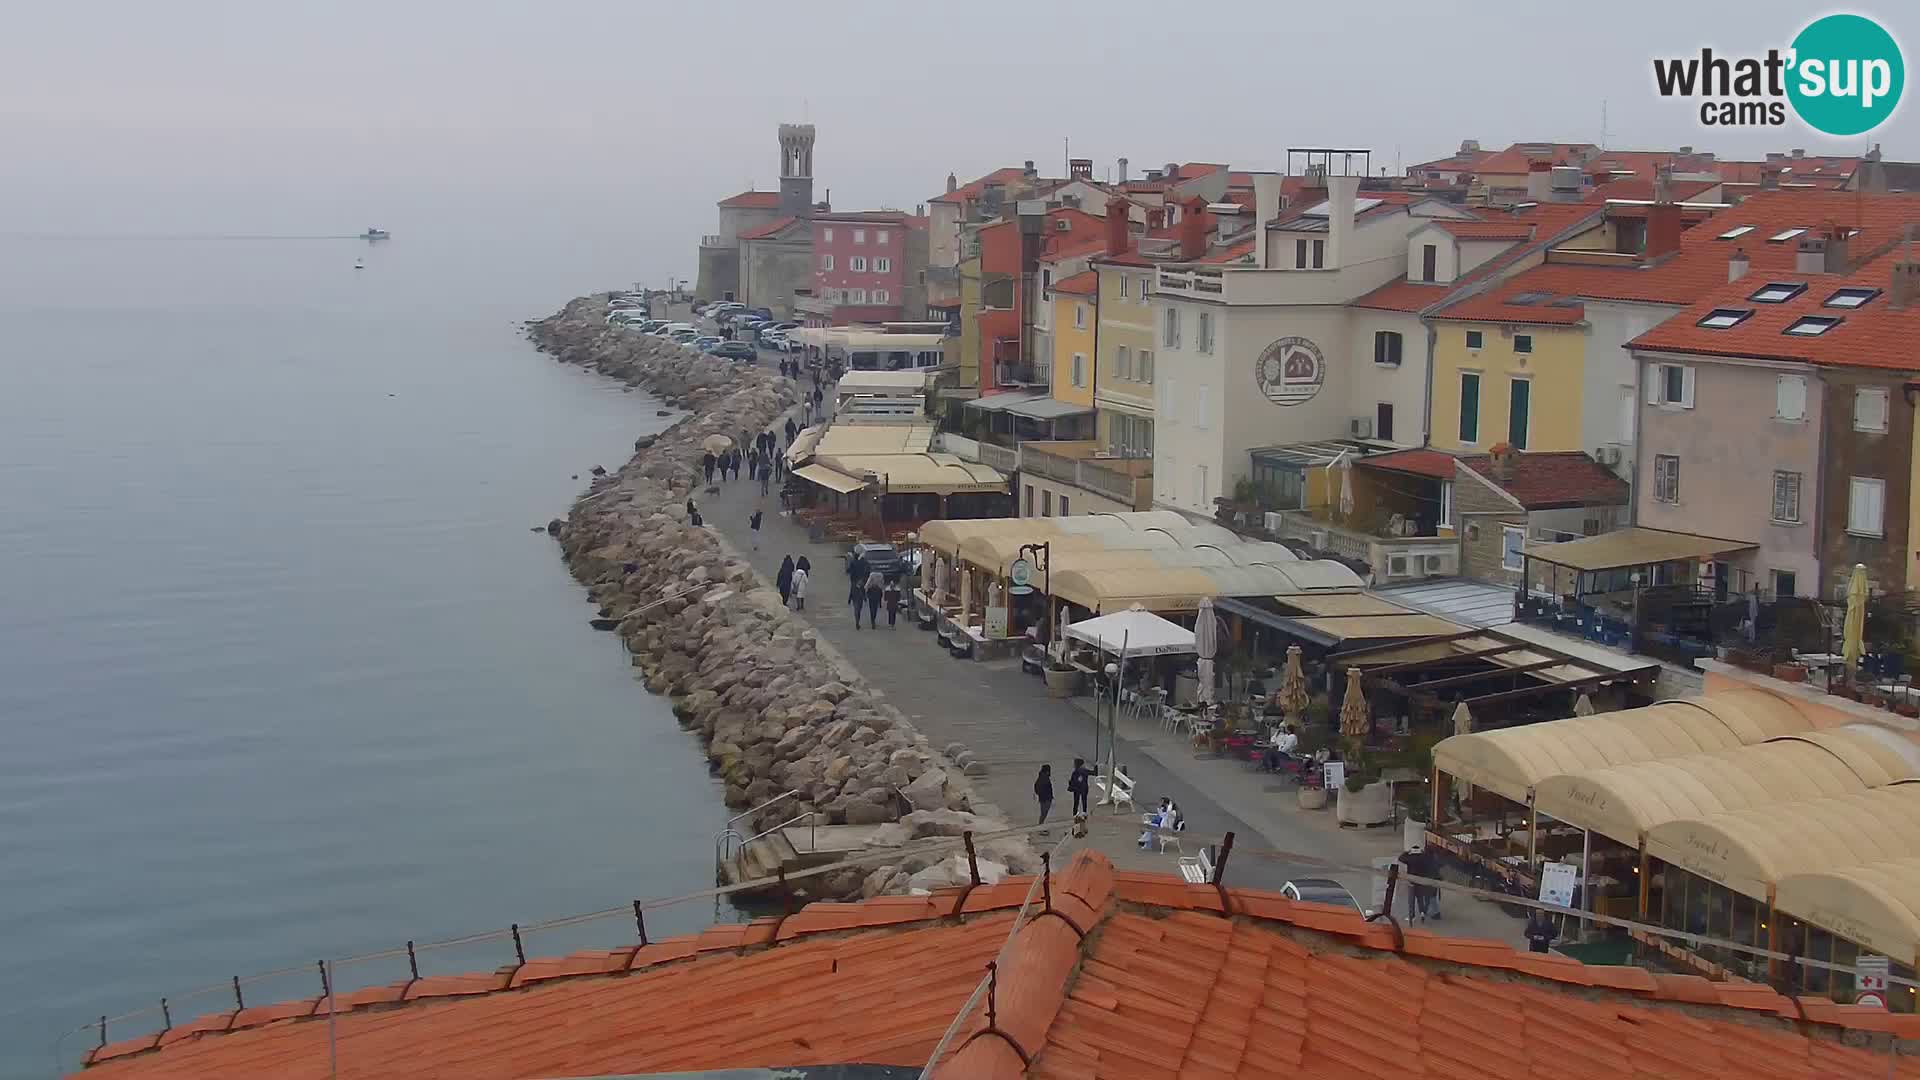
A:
x: 1436, y: 564
x: 1273, y: 522
x: 1317, y: 539
x: 1608, y: 455
x: 1361, y: 427
x: 1396, y: 566
x: 1062, y: 225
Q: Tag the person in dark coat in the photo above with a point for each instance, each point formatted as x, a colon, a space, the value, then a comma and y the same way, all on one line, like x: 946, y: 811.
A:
x: 754, y: 524
x: 856, y: 585
x: 892, y: 597
x: 784, y: 580
x: 707, y: 462
x: 875, y: 586
x: 1077, y: 785
x: 792, y: 430
x: 1540, y: 931
x: 1043, y: 792
x: 803, y: 563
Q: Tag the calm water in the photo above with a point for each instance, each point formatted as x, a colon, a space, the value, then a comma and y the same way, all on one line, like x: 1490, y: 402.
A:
x: 283, y: 673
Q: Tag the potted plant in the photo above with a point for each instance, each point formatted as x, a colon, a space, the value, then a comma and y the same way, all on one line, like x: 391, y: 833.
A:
x: 1311, y: 797
x: 1364, y: 800
x: 1062, y: 680
x: 1790, y: 672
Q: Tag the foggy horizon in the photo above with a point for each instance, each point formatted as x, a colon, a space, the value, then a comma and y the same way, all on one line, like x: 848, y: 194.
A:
x: 209, y: 117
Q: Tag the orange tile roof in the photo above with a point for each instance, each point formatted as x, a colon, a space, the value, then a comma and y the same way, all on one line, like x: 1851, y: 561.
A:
x: 769, y: 229
x: 1871, y: 335
x: 1126, y: 975
x: 971, y: 190
x: 1803, y: 168
x: 1700, y: 266
x: 754, y: 200
x: 1513, y: 160
x: 1230, y: 253
x: 1551, y: 480
x: 1436, y: 464
x: 1084, y: 283
x: 1636, y: 187
x: 1403, y: 295
x: 1529, y: 227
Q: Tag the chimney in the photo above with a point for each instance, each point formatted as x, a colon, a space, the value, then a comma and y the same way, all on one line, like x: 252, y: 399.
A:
x: 1686, y: 151
x: 1775, y: 159
x: 1266, y: 207
x: 1229, y: 221
x: 1737, y: 265
x: 1156, y: 217
x: 1798, y: 153
x: 1080, y: 169
x: 1663, y: 184
x: 953, y: 183
x: 919, y: 209
x: 1340, y: 194
x: 1193, y: 229
x: 1663, y: 220
x: 1540, y: 181
x: 1123, y: 170
x: 1769, y: 177
x: 1811, y: 258
x: 1469, y: 146
x: 1836, y: 261
x: 1172, y: 171
x: 1119, y: 237
x: 1903, y: 291
x: 1028, y: 169
x: 1501, y: 458
x: 1153, y: 175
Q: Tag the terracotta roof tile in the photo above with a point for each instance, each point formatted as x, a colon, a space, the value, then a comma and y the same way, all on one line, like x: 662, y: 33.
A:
x: 1085, y: 283
x: 971, y: 190
x: 1437, y: 464
x: 1547, y: 480
x: 753, y: 200
x: 1162, y: 987
x: 771, y: 228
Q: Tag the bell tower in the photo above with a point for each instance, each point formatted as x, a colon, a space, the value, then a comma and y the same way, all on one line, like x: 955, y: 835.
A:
x: 796, y: 169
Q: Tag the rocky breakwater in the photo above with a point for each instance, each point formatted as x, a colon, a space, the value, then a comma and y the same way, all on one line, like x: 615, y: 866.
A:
x: 776, y: 709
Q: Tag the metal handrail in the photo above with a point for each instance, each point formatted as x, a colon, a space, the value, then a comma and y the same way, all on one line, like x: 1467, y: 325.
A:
x: 721, y: 852
x: 810, y: 817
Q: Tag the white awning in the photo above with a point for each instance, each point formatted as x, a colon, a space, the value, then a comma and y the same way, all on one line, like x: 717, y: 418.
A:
x: 831, y: 479
x: 1141, y: 633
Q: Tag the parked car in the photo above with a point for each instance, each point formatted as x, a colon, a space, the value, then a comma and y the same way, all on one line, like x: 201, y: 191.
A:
x: 881, y: 557
x: 706, y: 342
x: 1319, y: 890
x: 735, y: 350
x: 776, y: 342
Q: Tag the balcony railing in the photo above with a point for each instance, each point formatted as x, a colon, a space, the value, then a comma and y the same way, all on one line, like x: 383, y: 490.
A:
x: 1004, y: 458
x: 1093, y: 475
x: 1389, y: 558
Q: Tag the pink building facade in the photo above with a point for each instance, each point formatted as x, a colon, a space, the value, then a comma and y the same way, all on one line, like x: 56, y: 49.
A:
x: 860, y: 264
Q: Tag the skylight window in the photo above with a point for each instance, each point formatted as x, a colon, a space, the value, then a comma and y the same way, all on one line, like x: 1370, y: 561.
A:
x: 1528, y: 298
x: 1778, y: 292
x: 1812, y: 325
x: 1851, y: 297
x: 1784, y: 235
x: 1736, y: 232
x: 1725, y: 318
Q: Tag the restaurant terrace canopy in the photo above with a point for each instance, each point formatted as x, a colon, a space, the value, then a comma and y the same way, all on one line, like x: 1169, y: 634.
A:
x: 1484, y: 666
x: 1749, y: 851
x: 1876, y: 904
x: 1634, y: 546
x: 1513, y: 761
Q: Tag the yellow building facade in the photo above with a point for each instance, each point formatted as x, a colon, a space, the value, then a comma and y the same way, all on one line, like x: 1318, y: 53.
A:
x: 1076, y: 320
x: 1515, y: 383
x: 1124, y: 389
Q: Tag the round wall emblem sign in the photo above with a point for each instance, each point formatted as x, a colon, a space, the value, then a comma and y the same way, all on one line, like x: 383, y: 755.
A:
x: 1291, y: 371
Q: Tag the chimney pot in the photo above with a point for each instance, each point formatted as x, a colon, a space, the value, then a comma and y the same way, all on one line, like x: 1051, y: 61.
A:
x: 1799, y: 153
x: 1119, y: 234
x: 1193, y: 229
x: 1903, y: 291
x: 1123, y: 170
x: 1811, y: 255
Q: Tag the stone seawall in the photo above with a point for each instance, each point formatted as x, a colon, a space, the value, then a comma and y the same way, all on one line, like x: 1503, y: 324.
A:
x: 775, y: 708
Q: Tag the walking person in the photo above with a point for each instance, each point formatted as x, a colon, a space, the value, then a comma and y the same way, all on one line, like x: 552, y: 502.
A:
x: 1077, y: 785
x: 707, y: 462
x: 766, y: 478
x: 784, y: 580
x: 800, y: 586
x: 1540, y: 931
x: 892, y: 597
x: 856, y: 585
x: 816, y: 402
x: 792, y: 430
x: 754, y: 524
x: 875, y: 586
x: 1043, y: 792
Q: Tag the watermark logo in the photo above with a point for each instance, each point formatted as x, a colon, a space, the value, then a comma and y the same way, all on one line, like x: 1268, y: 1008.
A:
x: 1842, y: 75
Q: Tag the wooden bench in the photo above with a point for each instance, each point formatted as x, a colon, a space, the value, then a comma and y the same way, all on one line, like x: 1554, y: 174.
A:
x: 1115, y: 791
x: 1198, y: 869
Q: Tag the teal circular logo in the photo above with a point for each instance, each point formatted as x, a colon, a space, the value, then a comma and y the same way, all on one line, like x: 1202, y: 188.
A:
x: 1847, y: 75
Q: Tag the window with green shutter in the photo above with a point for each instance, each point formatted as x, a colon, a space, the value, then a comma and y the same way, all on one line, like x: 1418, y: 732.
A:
x: 1469, y: 406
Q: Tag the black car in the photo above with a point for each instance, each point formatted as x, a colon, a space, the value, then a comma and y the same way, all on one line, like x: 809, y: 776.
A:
x: 881, y: 557
x: 735, y: 350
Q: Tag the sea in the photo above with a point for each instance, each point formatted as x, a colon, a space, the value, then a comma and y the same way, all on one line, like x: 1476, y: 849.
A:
x: 290, y: 670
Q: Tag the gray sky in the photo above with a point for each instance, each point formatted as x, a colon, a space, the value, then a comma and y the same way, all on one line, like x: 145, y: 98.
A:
x: 249, y: 117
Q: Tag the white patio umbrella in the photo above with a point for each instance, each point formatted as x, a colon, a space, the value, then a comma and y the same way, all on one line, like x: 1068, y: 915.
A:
x: 940, y: 580
x: 1206, y: 642
x: 1346, y: 488
x: 1463, y: 725
x: 717, y: 444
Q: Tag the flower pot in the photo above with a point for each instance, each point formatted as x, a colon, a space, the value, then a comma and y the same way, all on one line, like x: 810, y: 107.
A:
x: 1371, y: 805
x: 1313, y: 798
x: 1062, y: 682
x: 1790, y: 672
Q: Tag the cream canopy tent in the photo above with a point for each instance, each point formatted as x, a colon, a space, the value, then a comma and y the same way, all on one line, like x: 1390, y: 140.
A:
x: 1140, y: 632
x: 1622, y: 802
x: 1874, y: 904
x: 1180, y: 588
x: 1750, y: 850
x: 1511, y: 761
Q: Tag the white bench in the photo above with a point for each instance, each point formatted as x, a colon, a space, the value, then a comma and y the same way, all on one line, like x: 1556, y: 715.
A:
x: 1115, y: 791
x: 1198, y: 869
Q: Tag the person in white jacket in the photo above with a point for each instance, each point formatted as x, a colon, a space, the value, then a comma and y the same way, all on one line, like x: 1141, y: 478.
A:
x: 799, y: 590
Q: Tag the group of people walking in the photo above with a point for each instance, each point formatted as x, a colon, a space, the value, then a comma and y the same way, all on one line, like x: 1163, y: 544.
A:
x: 869, y: 588
x: 792, y: 581
x: 1077, y: 785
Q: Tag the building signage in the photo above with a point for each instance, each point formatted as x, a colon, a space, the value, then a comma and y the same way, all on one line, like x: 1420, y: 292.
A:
x: 1842, y: 75
x: 1020, y: 577
x: 1291, y: 371
x: 1333, y: 775
x: 1556, y: 883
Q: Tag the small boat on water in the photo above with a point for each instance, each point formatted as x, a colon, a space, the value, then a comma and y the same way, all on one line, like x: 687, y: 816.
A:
x: 375, y: 234
x: 359, y: 264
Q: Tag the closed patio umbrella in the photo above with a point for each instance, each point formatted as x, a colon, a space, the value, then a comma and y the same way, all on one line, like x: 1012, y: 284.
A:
x: 1582, y: 707
x: 1856, y: 626
x: 1346, y: 488
x: 1293, y: 688
x: 1206, y: 640
x: 1463, y: 725
x: 1355, y: 719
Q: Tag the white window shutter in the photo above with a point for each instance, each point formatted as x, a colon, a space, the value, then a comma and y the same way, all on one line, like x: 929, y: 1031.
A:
x: 1686, y: 387
x: 1792, y: 397
x: 1656, y: 376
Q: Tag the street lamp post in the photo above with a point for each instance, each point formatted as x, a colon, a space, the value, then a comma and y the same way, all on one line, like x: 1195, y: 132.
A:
x: 1044, y: 550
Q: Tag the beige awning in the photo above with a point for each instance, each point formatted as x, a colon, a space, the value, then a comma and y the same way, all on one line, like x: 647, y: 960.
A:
x: 1633, y: 547
x: 1511, y: 761
x: 844, y: 439
x: 1622, y: 802
x: 1750, y: 850
x: 831, y: 479
x: 909, y: 474
x: 1360, y: 603
x: 805, y: 442
x: 1180, y: 588
x: 1406, y: 624
x: 1876, y: 905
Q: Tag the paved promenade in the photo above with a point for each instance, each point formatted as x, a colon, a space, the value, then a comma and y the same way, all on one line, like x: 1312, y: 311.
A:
x: 1005, y: 717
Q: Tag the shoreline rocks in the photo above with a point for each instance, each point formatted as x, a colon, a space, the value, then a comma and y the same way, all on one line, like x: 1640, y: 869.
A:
x: 746, y: 675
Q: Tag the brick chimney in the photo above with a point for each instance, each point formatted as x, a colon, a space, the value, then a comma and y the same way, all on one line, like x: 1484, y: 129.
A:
x: 1500, y: 457
x: 1737, y: 264
x: 1769, y: 178
x: 1193, y: 229
x: 1836, y: 249
x: 1903, y: 291
x: 1663, y: 219
x: 1119, y: 238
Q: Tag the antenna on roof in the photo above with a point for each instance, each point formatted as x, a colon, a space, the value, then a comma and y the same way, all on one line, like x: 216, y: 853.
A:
x: 1603, y: 123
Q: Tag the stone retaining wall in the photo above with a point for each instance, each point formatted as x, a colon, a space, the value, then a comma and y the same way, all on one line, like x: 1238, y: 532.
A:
x: 773, y: 708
